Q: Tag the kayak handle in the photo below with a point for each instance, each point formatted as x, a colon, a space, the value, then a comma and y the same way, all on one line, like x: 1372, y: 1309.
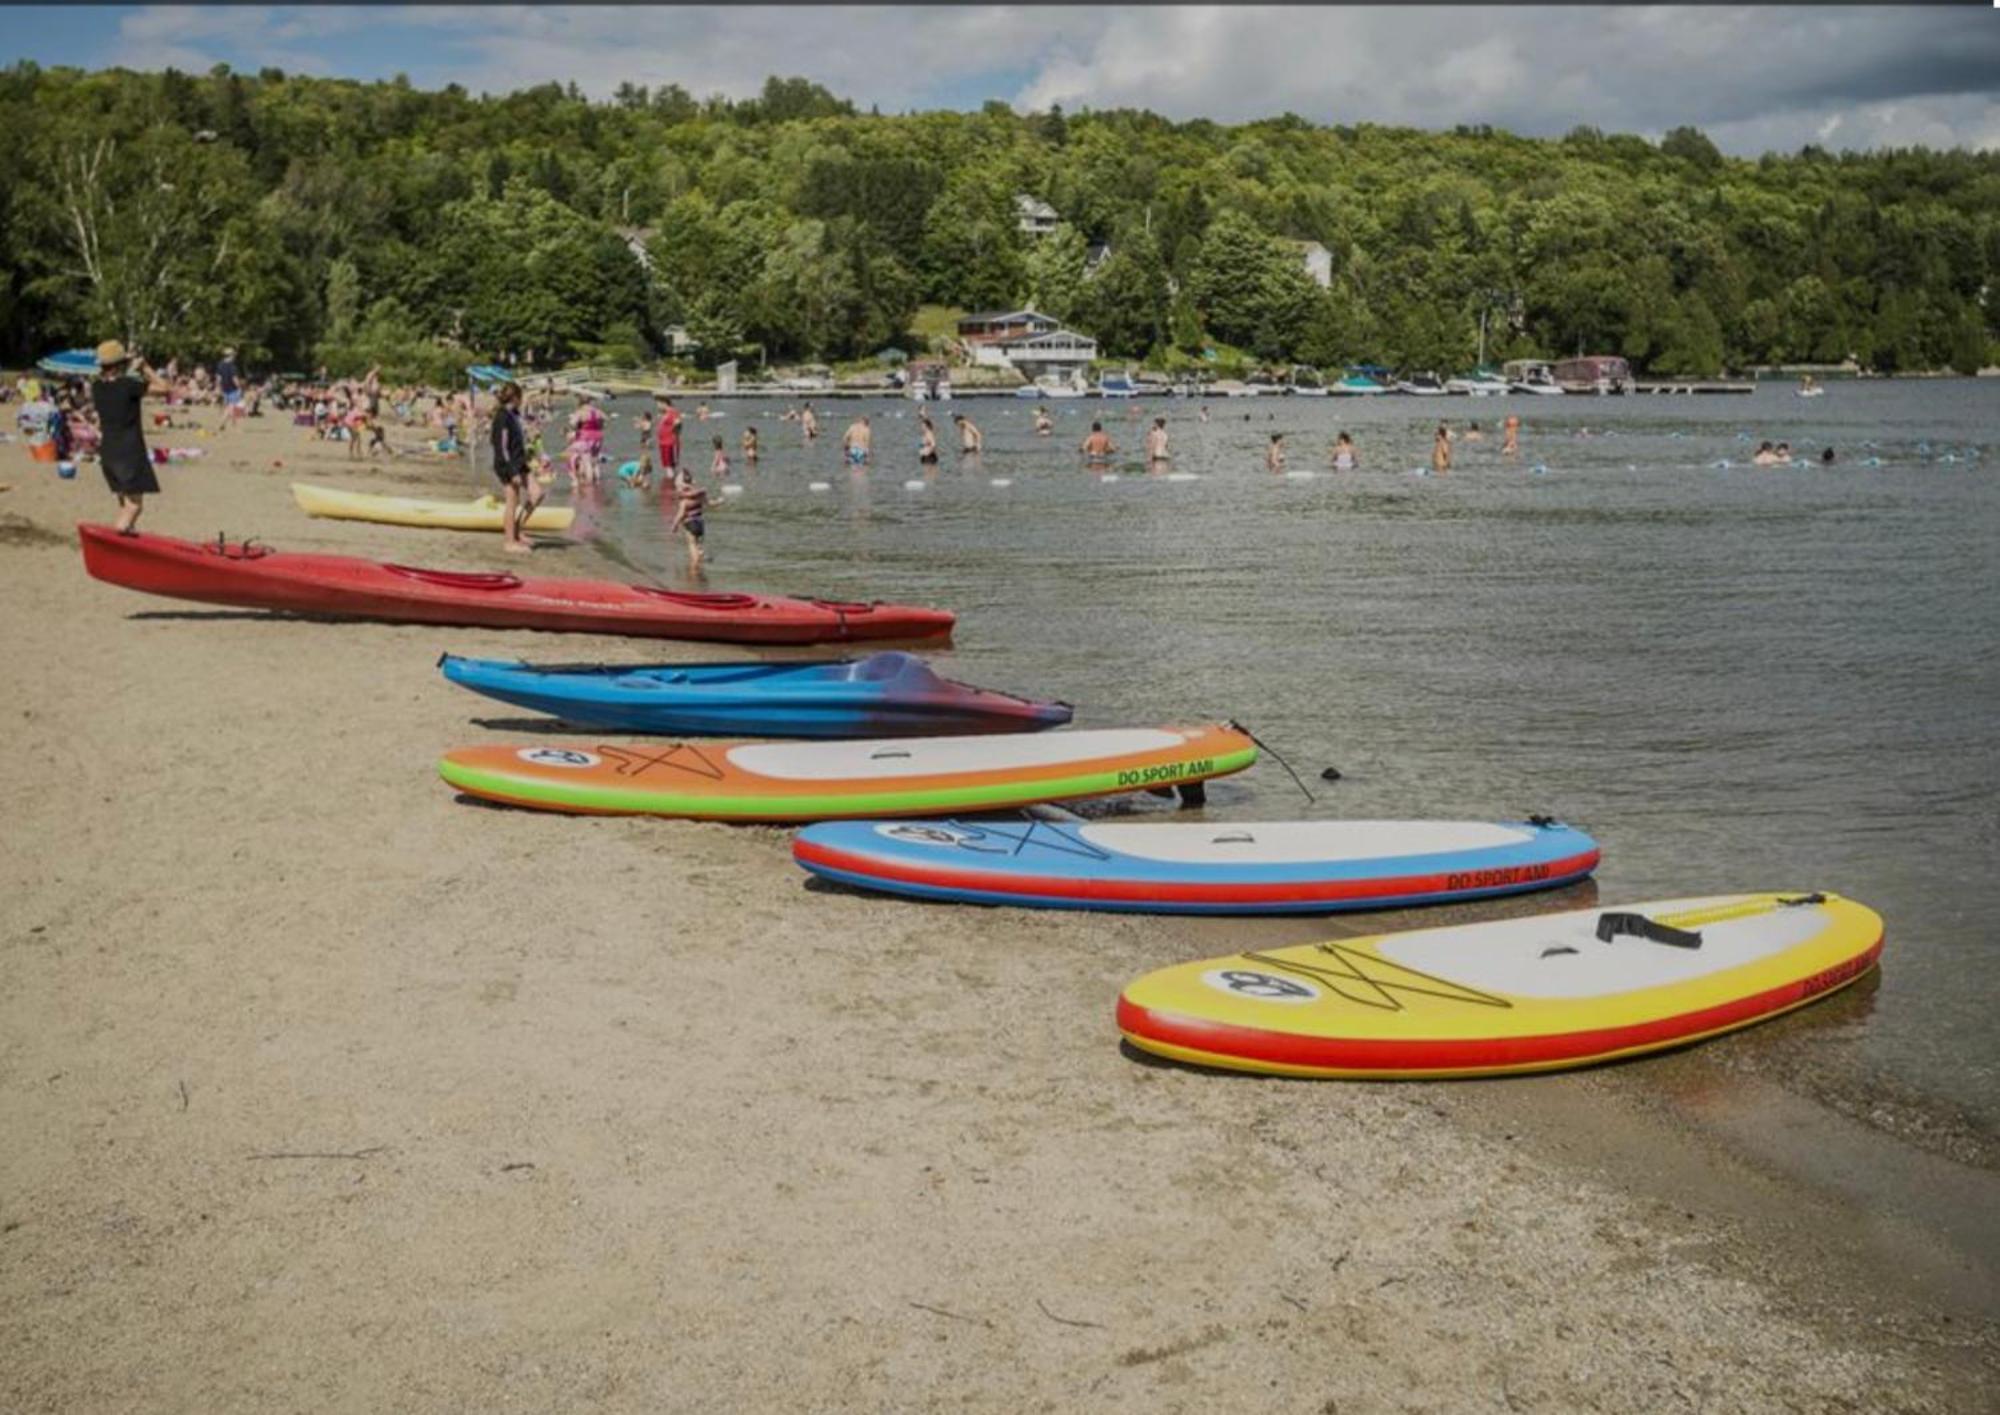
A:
x: 885, y: 756
x: 1245, y: 839
x: 1612, y: 925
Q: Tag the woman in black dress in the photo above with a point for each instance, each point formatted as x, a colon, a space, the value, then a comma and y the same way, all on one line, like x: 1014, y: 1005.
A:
x: 116, y: 393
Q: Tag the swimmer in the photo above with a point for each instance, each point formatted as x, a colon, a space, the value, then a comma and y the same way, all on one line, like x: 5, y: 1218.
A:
x: 809, y: 421
x: 1510, y: 436
x: 1441, y: 449
x: 858, y: 442
x: 1044, y: 425
x: 1473, y: 434
x: 970, y: 439
x: 1826, y: 457
x: 701, y: 412
x: 1097, y: 446
x: 750, y: 445
x: 1767, y: 455
x: 927, y: 443
x: 1203, y: 415
x: 718, y: 466
x: 1345, y: 456
x: 1274, y: 453
x: 690, y: 515
x: 1156, y: 443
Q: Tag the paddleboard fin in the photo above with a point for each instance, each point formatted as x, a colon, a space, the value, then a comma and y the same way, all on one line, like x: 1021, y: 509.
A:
x: 1612, y: 925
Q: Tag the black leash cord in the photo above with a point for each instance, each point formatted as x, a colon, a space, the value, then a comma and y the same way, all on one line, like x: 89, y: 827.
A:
x: 1264, y: 746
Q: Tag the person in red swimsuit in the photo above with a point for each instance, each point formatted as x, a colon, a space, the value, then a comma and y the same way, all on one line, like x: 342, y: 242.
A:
x: 670, y: 434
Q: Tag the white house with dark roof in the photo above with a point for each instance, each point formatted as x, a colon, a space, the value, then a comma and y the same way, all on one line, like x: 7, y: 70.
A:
x: 1027, y: 341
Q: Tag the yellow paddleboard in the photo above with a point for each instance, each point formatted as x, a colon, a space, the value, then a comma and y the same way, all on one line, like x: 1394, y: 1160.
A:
x: 483, y: 514
x: 1535, y: 994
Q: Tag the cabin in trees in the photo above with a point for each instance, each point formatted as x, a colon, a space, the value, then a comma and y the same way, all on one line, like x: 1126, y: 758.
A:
x: 1027, y: 341
x: 1034, y: 216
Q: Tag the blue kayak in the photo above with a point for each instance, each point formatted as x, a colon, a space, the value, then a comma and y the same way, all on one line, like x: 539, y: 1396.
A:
x: 883, y: 695
x: 1255, y: 867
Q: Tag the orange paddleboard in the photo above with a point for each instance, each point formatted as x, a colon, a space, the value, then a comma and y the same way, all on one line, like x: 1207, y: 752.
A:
x: 804, y: 781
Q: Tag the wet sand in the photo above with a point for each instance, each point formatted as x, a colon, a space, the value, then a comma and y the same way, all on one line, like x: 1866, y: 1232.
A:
x: 325, y: 1089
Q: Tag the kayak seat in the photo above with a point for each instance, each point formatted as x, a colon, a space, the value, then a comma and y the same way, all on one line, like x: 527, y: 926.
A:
x: 460, y: 579
x: 694, y: 600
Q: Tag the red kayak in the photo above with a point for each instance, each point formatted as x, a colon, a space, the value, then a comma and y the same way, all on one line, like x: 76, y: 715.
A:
x: 252, y: 576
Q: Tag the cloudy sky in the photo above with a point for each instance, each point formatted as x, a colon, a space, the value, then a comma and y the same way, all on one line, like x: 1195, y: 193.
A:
x: 1753, y: 79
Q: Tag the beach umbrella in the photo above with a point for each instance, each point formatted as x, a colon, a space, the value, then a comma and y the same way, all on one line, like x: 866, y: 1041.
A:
x: 483, y: 374
x: 71, y: 363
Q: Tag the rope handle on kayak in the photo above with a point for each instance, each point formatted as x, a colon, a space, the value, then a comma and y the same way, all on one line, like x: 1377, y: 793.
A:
x: 1263, y: 746
x: 1614, y: 924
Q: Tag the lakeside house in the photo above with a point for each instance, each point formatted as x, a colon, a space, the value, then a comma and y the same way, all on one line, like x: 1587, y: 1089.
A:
x: 1034, y: 216
x: 1026, y: 341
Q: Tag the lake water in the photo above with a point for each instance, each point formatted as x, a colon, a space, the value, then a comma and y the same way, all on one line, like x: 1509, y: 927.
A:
x: 1735, y: 677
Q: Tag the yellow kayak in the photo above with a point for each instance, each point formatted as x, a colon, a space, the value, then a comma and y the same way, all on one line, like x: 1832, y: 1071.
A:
x: 480, y: 515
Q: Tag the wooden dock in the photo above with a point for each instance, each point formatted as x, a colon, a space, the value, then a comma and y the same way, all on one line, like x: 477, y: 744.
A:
x: 1695, y: 385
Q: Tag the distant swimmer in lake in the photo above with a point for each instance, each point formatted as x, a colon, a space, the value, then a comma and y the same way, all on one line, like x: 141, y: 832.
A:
x: 809, y: 420
x: 750, y: 445
x: 858, y: 442
x: 927, y: 446
x: 1510, y: 436
x: 1345, y: 456
x: 1274, y: 453
x: 1156, y: 443
x: 1767, y: 455
x: 1473, y: 434
x: 1826, y: 458
x: 1441, y: 449
x: 1203, y: 415
x: 1044, y: 424
x: 970, y: 438
x: 701, y: 412
x: 1097, y: 445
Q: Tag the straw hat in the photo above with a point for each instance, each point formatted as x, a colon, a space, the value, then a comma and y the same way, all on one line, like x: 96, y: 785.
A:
x: 111, y: 352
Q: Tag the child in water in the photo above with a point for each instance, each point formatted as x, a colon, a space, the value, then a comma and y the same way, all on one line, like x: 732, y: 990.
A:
x: 718, y: 466
x: 1274, y: 453
x: 690, y: 515
x: 750, y: 445
x: 1345, y: 457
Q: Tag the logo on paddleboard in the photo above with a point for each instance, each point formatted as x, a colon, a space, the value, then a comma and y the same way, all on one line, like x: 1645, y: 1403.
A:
x: 558, y: 756
x: 1265, y: 987
x: 922, y: 834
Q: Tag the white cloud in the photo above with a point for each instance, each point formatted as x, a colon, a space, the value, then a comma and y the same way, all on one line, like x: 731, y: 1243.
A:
x: 1753, y: 78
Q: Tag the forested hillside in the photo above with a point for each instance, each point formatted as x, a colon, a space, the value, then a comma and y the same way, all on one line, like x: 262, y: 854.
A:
x: 314, y: 220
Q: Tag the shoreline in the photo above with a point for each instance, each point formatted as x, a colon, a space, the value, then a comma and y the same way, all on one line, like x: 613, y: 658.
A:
x: 322, y: 1079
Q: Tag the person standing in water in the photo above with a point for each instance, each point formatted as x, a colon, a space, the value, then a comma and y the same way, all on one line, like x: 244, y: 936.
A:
x: 750, y: 446
x: 670, y: 434
x: 1156, y: 443
x: 1044, y: 425
x: 809, y: 421
x: 1097, y: 445
x: 1346, y: 457
x: 1274, y: 453
x: 718, y: 465
x: 690, y: 515
x: 1441, y: 449
x: 116, y: 395
x: 927, y: 446
x: 858, y: 442
x: 510, y: 465
x: 1510, y: 436
x: 970, y: 439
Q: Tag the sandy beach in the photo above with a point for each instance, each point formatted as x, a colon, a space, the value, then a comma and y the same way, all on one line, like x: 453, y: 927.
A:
x: 324, y: 1089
